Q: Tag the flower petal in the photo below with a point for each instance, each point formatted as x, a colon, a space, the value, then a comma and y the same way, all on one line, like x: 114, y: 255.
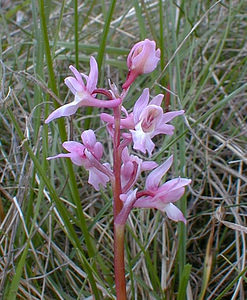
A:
x: 72, y: 146
x: 73, y: 85
x: 151, y: 56
x: 169, y: 196
x: 64, y: 111
x: 107, y: 118
x: 93, y: 75
x: 140, y: 105
x: 98, y: 150
x: 129, y: 58
x: 143, y: 58
x: 174, y: 213
x: 167, y: 117
x: 150, y: 118
x: 125, y: 155
x: 174, y: 184
x: 77, y: 75
x: 96, y: 178
x: 88, y: 138
x: 59, y: 156
x: 75, y: 158
x: 157, y: 100
x: 148, y: 165
x: 163, y: 129
x: 174, y: 195
x: 142, y: 141
x: 154, y: 178
x: 128, y: 201
x: 145, y: 202
x: 126, y: 172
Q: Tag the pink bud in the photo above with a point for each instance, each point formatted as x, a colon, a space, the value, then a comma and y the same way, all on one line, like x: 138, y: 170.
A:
x: 142, y: 59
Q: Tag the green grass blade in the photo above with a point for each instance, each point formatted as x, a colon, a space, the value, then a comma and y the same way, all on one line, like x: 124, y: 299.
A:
x: 72, y: 234
x: 12, y: 293
x: 101, y: 52
x: 62, y: 131
x: 76, y: 33
x: 184, y: 282
x: 140, y: 19
x: 231, y: 284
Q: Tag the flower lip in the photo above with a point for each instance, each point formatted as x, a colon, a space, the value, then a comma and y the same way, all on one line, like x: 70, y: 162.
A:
x: 150, y: 116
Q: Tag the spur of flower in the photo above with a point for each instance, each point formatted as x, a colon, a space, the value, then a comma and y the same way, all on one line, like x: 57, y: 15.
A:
x: 143, y: 58
x: 88, y: 155
x: 84, y: 93
x: 156, y: 195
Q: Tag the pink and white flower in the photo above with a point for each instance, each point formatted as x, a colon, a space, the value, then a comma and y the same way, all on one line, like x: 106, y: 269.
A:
x: 88, y: 155
x: 158, y: 196
x: 149, y: 120
x: 143, y: 58
x: 146, y: 121
x: 83, y: 93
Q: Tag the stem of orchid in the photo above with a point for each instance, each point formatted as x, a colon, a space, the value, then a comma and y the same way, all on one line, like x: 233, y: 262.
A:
x: 119, y: 268
x: 119, y: 261
x: 117, y: 162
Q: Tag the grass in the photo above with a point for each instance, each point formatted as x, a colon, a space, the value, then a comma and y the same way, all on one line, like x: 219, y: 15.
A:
x: 56, y: 238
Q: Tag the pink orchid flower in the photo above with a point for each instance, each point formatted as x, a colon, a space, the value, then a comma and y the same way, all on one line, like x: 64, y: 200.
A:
x: 131, y: 169
x: 142, y: 59
x: 146, y: 121
x: 83, y: 93
x: 149, y: 120
x: 88, y: 155
x: 157, y: 196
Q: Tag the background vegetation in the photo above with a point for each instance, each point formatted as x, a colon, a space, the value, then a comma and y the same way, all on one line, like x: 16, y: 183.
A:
x: 56, y: 239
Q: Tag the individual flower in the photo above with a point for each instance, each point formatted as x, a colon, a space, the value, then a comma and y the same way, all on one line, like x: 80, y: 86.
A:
x: 88, y: 155
x: 143, y: 58
x: 149, y: 120
x: 131, y: 169
x: 146, y: 121
x: 163, y: 196
x: 83, y: 93
x: 155, y: 195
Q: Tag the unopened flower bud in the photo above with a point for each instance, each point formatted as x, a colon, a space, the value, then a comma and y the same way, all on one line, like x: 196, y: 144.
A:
x: 142, y: 59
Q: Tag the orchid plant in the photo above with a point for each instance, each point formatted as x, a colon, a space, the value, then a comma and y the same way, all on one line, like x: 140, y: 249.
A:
x: 128, y: 130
